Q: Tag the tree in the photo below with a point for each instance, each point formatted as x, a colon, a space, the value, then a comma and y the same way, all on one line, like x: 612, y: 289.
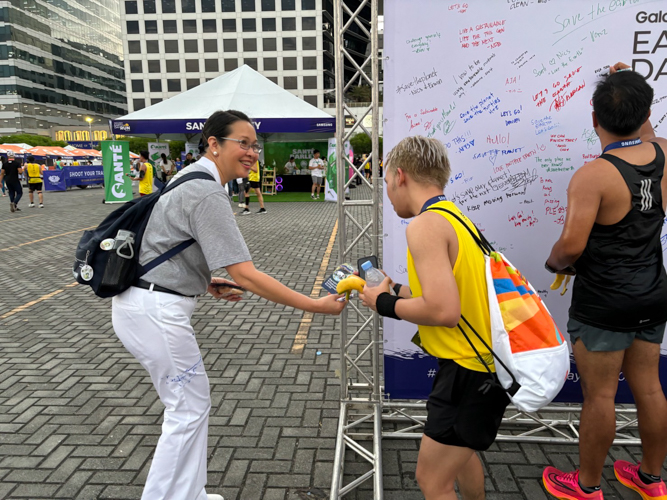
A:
x: 33, y: 140
x: 361, y: 93
x: 175, y: 148
x: 138, y: 144
x: 361, y: 144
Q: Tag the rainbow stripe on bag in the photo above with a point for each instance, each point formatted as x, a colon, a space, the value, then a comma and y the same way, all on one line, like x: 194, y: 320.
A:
x: 526, y: 319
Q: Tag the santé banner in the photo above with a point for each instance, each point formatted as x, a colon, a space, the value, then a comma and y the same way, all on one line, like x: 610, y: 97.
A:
x: 116, y: 163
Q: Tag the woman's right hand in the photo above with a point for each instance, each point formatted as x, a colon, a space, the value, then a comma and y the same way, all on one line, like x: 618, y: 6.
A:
x: 331, y: 304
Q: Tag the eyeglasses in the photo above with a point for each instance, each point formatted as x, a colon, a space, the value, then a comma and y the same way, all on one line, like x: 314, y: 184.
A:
x: 244, y: 144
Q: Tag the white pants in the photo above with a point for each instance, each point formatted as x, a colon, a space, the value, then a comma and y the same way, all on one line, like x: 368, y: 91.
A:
x: 155, y: 328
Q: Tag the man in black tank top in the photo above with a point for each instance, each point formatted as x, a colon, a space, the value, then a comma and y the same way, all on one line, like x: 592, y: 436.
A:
x: 611, y: 239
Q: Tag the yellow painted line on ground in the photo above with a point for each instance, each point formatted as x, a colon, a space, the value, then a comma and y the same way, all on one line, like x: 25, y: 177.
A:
x: 47, y: 238
x: 21, y: 218
x: 304, y: 327
x: 37, y: 301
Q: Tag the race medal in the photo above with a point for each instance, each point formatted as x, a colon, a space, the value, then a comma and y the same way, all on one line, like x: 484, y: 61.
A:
x: 86, y: 273
x: 107, y: 244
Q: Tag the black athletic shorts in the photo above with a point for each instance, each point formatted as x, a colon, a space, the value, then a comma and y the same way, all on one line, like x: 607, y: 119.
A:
x: 254, y: 184
x: 34, y: 186
x: 601, y: 340
x: 459, y: 413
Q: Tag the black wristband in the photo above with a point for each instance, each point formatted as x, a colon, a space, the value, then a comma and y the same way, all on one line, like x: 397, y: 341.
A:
x: 397, y: 288
x: 549, y: 268
x: 386, y: 305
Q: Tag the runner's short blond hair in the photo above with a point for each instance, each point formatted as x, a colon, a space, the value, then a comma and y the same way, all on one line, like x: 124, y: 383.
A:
x: 424, y: 160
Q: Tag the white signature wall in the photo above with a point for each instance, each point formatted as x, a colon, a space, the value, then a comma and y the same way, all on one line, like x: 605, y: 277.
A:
x: 506, y: 86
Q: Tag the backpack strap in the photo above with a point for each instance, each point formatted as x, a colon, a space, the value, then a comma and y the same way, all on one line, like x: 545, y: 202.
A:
x: 514, y: 388
x: 486, y: 248
x: 479, y: 238
x: 184, y: 244
x: 166, y: 256
x: 185, y: 178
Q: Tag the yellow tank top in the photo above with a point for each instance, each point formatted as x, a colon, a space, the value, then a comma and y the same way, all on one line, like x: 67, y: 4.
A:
x: 34, y: 172
x: 254, y: 176
x: 470, y: 276
x: 146, y: 184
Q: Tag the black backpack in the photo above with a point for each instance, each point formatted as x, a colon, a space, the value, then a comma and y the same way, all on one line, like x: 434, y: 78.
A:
x: 107, y: 258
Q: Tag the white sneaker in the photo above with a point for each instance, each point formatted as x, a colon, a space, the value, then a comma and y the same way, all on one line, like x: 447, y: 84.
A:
x: 41, y: 205
x: 241, y: 205
x: 32, y: 205
x: 214, y: 497
x: 312, y: 196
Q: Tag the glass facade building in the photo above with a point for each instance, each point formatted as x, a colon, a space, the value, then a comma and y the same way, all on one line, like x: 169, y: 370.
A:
x: 60, y: 62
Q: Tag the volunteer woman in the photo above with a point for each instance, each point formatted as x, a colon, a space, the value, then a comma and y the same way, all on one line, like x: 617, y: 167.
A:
x: 166, y: 168
x: 152, y: 319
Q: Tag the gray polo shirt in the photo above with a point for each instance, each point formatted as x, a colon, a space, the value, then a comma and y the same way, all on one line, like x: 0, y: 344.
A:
x: 198, y: 209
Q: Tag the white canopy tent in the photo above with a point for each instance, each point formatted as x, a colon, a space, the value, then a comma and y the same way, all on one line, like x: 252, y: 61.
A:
x: 278, y: 115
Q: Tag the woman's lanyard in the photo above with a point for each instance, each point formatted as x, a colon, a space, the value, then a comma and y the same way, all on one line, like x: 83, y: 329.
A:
x: 433, y: 201
x: 622, y: 144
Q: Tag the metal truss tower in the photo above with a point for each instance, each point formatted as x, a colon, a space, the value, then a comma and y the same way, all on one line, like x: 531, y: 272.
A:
x: 358, y: 225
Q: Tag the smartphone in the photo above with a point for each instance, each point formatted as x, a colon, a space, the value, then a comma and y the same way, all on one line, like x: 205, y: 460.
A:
x: 229, y: 285
x: 372, y: 259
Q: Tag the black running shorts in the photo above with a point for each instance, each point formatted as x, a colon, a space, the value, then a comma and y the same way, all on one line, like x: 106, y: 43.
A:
x: 34, y: 186
x: 463, y: 410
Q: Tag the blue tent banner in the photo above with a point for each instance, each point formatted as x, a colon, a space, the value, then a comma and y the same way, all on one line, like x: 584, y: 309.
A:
x: 54, y: 180
x: 262, y: 125
x: 60, y: 180
x: 83, y: 176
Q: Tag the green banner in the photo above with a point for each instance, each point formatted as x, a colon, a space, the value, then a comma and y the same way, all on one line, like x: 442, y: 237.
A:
x: 277, y: 155
x: 116, y: 163
x: 331, y: 184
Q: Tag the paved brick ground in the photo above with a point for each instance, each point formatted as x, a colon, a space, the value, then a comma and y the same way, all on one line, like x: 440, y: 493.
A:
x: 79, y: 418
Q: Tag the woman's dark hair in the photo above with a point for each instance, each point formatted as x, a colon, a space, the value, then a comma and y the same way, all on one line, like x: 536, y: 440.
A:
x: 164, y: 158
x: 622, y: 102
x: 31, y: 159
x: 219, y: 125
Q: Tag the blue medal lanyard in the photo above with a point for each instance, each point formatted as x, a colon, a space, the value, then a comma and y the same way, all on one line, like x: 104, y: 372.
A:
x: 433, y: 201
x: 622, y: 144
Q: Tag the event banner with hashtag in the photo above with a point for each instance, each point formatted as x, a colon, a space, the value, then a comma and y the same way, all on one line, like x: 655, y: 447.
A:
x: 507, y: 87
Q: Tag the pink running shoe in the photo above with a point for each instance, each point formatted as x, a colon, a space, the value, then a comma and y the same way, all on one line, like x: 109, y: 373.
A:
x: 565, y: 485
x: 628, y: 475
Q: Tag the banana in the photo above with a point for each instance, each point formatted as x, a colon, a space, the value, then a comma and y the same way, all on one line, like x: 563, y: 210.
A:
x: 350, y: 283
x: 567, y: 280
x: 557, y: 282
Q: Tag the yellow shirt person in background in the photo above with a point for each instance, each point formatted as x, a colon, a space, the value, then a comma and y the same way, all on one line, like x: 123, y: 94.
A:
x: 253, y: 179
x: 145, y: 175
x: 447, y: 280
x: 34, y: 176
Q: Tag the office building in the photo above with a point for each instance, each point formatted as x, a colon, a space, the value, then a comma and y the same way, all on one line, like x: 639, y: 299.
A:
x: 174, y: 45
x: 61, y: 62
